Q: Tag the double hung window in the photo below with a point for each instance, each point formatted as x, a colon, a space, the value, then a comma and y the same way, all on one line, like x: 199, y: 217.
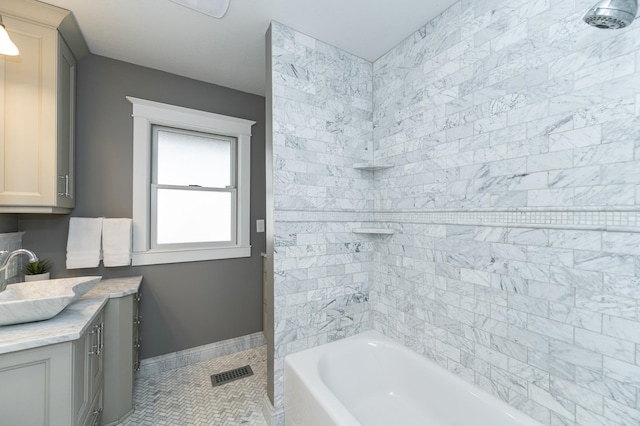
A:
x: 191, y: 184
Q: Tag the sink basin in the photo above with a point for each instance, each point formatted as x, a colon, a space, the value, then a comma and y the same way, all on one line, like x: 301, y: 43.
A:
x: 41, y: 300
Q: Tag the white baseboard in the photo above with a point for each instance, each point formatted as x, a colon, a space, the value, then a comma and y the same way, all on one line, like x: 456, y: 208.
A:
x: 267, y: 409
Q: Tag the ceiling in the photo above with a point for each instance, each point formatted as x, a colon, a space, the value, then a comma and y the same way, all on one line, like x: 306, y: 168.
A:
x: 229, y: 52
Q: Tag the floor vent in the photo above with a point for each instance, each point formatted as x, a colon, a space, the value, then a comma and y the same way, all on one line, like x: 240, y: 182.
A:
x: 231, y: 375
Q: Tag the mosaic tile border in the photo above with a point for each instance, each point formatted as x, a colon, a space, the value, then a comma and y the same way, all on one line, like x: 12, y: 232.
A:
x: 167, y: 362
x: 622, y: 220
x: 324, y: 216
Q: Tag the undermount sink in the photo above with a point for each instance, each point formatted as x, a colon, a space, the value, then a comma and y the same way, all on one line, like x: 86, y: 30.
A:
x: 41, y: 300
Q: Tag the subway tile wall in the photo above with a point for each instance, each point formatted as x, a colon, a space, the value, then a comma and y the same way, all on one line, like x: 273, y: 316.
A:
x: 509, y: 104
x: 514, y: 130
x: 514, y: 133
x: 322, y: 124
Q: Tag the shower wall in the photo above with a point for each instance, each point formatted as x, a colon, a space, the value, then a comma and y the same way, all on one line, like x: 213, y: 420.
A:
x: 514, y: 130
x: 322, y: 124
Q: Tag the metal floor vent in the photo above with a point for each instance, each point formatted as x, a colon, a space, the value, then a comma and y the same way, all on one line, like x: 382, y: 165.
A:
x: 231, y: 375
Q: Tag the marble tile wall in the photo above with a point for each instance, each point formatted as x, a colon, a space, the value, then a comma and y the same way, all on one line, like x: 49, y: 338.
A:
x: 322, y: 124
x: 514, y: 130
x: 509, y: 104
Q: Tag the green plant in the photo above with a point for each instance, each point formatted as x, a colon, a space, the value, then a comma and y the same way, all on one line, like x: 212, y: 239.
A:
x: 40, y: 267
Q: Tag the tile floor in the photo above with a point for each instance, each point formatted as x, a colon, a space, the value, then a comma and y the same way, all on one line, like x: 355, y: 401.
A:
x: 185, y: 397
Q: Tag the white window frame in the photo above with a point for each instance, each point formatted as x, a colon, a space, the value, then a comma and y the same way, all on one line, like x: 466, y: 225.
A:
x: 145, y: 115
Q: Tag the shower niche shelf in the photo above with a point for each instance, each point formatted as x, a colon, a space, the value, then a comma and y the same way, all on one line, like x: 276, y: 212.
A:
x: 372, y: 166
x: 373, y: 231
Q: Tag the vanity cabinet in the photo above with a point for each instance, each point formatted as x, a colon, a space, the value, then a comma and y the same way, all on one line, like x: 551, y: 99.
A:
x: 37, y: 108
x: 57, y: 385
x: 121, y: 361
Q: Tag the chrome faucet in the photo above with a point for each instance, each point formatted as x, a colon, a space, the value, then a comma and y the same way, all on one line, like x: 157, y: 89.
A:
x: 5, y: 258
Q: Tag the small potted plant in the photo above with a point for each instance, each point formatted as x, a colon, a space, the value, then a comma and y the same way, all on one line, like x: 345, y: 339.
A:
x: 37, y: 271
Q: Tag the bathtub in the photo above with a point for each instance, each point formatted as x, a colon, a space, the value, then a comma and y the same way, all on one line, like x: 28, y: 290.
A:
x: 371, y: 380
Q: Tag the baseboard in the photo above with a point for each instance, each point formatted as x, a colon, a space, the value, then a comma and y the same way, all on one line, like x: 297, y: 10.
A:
x: 267, y: 409
x: 186, y: 357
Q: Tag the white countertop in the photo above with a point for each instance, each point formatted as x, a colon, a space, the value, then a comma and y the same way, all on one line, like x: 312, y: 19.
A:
x: 71, y: 322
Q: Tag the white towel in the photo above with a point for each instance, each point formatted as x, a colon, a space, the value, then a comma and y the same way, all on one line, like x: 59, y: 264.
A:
x: 83, y: 242
x: 116, y: 242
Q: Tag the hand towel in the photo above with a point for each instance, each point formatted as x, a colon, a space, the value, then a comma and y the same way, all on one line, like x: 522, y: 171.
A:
x: 83, y: 242
x: 116, y: 242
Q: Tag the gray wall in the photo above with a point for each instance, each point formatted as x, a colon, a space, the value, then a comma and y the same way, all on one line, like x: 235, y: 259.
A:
x: 269, y: 328
x: 184, y: 305
x: 8, y: 223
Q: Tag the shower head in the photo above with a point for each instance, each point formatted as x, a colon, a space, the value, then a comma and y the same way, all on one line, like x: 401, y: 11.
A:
x: 612, y: 14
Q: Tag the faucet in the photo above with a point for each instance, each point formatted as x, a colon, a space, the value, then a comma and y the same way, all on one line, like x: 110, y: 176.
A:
x: 5, y: 258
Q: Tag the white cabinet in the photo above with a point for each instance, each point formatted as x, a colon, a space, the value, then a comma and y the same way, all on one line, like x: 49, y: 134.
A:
x: 57, y: 384
x: 37, y: 108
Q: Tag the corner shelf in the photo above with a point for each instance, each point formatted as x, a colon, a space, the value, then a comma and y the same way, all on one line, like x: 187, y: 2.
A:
x: 372, y: 166
x: 373, y: 231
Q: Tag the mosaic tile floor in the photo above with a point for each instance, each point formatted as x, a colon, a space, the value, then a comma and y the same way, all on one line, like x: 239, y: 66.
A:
x: 185, y: 396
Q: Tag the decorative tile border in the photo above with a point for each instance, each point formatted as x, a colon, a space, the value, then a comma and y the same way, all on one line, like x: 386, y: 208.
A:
x: 624, y: 220
x: 324, y: 216
x: 190, y: 356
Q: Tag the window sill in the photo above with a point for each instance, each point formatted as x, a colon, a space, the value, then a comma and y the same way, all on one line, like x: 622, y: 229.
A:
x: 157, y: 257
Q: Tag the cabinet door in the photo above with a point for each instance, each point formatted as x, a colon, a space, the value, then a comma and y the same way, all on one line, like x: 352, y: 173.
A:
x: 119, y: 320
x: 66, y: 125
x: 28, y: 115
x: 87, y: 369
x: 96, y: 358
x: 35, y: 386
x: 81, y: 386
x: 137, y: 340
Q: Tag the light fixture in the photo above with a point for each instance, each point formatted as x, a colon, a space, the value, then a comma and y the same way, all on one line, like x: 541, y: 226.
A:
x: 7, y: 47
x: 215, y: 8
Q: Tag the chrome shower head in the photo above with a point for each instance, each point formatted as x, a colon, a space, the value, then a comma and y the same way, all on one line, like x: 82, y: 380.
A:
x: 612, y: 14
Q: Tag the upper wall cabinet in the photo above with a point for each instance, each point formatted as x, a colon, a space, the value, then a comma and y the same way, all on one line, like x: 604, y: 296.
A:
x: 37, y: 108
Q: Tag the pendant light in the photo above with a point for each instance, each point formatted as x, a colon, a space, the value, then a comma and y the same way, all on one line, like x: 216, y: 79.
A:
x: 7, y: 47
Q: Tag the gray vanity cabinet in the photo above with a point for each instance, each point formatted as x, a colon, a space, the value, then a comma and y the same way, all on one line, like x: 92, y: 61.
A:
x: 57, y: 385
x: 121, y: 318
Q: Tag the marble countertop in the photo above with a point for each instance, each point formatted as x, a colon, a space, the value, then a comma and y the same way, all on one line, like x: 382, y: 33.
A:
x: 115, y: 287
x: 69, y: 324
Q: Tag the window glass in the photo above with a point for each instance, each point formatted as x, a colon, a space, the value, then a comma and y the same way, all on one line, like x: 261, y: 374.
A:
x: 188, y: 216
x: 190, y: 158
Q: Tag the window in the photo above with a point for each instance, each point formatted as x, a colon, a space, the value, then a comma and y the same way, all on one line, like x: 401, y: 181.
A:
x: 190, y: 184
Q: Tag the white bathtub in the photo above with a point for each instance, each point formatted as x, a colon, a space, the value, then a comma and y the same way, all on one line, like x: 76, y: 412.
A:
x: 371, y: 380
